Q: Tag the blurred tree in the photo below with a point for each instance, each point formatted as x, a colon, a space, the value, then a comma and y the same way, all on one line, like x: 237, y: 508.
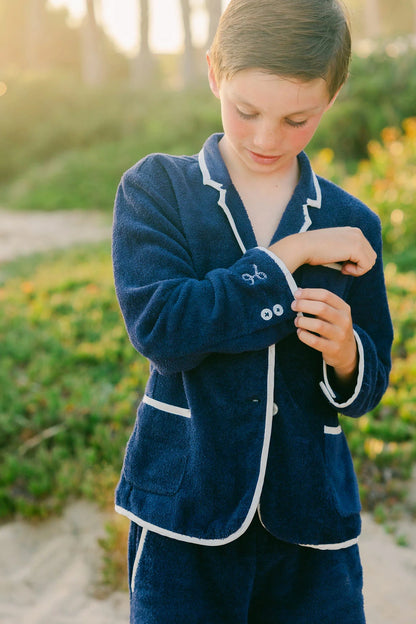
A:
x: 32, y: 37
x: 93, y: 67
x: 188, y: 71
x: 214, y: 9
x: 143, y: 64
x: 372, y: 19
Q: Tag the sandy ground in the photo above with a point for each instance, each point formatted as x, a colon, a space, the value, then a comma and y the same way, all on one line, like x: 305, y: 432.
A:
x: 49, y: 572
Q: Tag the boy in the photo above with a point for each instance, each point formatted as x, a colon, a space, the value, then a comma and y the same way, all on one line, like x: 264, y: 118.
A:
x: 256, y: 290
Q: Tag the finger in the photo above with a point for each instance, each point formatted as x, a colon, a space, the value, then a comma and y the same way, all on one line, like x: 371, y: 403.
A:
x: 319, y: 294
x: 329, y: 331
x: 312, y: 340
x: 334, y: 353
x: 322, y: 311
x: 355, y: 270
x: 317, y: 309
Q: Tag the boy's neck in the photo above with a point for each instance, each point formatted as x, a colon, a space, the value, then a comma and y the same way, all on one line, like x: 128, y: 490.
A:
x: 265, y: 197
x: 284, y: 177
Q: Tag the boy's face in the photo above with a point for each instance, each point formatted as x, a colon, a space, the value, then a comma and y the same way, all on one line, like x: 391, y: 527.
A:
x: 267, y: 119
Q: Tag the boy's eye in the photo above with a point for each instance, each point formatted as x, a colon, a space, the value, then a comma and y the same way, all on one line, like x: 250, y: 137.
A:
x: 244, y: 115
x: 296, y: 124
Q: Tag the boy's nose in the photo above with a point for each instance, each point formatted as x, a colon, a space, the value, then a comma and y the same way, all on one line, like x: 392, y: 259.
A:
x: 267, y: 140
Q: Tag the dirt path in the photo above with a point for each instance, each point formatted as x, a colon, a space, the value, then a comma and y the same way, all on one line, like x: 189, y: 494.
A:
x: 48, y: 572
x: 23, y: 233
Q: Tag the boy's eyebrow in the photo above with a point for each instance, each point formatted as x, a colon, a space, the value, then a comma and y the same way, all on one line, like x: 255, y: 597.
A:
x: 302, y: 112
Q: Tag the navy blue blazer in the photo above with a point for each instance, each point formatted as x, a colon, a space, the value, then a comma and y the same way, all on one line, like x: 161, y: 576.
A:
x: 238, y: 415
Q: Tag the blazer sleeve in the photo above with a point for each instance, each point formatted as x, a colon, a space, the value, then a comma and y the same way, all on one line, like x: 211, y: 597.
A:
x: 374, y: 336
x: 172, y: 316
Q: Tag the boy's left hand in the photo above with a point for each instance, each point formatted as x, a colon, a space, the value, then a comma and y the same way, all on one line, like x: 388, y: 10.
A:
x: 329, y: 329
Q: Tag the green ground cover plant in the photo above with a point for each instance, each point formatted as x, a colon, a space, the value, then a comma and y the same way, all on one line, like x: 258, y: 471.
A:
x: 70, y: 381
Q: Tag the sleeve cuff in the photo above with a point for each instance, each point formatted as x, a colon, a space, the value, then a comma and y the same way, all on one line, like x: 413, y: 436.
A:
x: 327, y: 389
x: 288, y: 275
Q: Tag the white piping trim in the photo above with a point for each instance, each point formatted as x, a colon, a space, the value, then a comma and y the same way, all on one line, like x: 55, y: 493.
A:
x: 288, y: 275
x: 332, y: 430
x: 165, y: 407
x: 208, y: 181
x: 137, y: 558
x: 326, y: 387
x: 308, y: 221
x: 314, y: 203
x: 259, y: 486
x: 338, y: 546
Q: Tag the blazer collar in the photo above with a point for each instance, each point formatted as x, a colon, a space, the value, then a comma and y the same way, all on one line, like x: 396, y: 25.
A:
x: 297, y: 216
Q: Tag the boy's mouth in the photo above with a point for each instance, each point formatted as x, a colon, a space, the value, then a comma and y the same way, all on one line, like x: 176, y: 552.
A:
x: 263, y: 159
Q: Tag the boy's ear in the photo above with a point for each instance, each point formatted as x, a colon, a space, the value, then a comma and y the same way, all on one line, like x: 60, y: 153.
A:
x: 212, y: 79
x: 332, y: 102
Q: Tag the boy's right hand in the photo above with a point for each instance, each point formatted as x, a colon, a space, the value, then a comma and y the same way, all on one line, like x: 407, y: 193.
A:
x: 345, y: 245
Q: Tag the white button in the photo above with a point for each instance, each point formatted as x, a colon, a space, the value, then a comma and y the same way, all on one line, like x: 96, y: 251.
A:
x: 266, y: 314
x: 275, y: 409
x: 278, y: 309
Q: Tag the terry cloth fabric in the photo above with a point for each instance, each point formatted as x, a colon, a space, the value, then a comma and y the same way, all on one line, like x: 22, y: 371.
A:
x: 256, y: 578
x: 237, y: 411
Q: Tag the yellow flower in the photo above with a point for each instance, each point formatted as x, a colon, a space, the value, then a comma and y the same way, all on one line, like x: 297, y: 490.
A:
x: 27, y: 288
x: 389, y: 135
x: 409, y: 126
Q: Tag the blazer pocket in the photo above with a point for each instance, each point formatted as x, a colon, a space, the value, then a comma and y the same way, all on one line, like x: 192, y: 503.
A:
x: 157, y: 451
x: 341, y: 474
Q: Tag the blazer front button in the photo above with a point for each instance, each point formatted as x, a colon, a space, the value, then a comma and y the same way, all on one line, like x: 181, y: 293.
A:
x: 278, y: 309
x: 275, y: 409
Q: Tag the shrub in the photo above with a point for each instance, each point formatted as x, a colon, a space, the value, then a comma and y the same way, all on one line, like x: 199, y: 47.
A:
x: 383, y: 442
x: 385, y: 181
x: 379, y: 93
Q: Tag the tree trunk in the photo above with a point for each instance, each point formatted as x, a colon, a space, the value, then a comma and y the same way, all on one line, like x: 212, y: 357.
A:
x: 143, y: 64
x: 188, y: 63
x: 214, y: 8
x: 93, y: 70
x: 34, y: 34
x: 414, y: 17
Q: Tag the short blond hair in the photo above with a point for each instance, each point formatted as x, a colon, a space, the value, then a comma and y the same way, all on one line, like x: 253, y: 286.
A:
x: 302, y: 39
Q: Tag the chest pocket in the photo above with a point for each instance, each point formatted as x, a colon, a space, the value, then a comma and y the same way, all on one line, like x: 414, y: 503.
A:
x: 157, y: 451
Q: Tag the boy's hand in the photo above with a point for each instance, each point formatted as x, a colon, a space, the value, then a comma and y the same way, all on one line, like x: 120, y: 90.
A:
x: 329, y: 330
x: 345, y: 245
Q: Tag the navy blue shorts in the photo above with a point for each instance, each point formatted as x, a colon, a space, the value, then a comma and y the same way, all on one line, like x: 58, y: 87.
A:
x: 256, y: 579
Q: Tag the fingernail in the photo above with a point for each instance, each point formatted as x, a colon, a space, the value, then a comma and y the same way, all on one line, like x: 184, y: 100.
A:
x: 298, y: 293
